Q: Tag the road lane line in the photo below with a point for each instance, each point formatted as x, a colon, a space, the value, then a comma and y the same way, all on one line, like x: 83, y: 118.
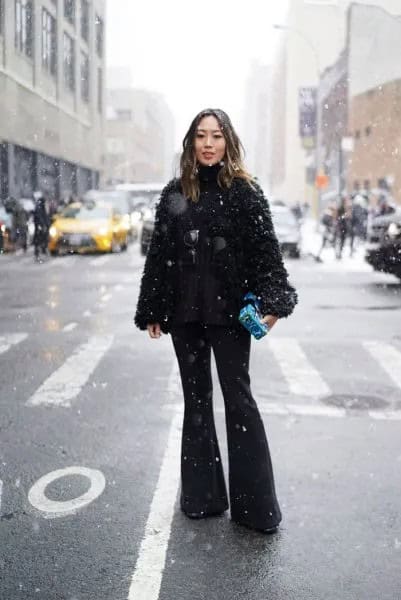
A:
x: 302, y: 377
x: 310, y: 410
x: 69, y: 327
x: 11, y: 339
x: 66, y: 383
x: 388, y: 357
x: 147, y: 577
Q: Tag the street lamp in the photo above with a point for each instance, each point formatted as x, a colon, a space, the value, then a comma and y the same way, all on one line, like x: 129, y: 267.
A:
x: 305, y: 38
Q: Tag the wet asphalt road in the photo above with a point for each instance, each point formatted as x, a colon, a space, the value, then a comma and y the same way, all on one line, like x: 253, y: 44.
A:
x: 81, y: 387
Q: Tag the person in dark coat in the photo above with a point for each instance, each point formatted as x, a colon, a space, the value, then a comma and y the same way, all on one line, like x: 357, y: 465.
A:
x: 42, y: 223
x: 212, y: 243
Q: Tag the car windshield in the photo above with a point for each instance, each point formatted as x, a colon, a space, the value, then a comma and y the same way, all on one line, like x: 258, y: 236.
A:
x: 4, y: 216
x: 86, y: 212
x: 117, y: 199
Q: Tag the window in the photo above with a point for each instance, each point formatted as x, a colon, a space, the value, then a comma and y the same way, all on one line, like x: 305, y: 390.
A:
x: 24, y: 27
x: 100, y: 90
x: 49, y: 42
x: 69, y: 62
x: 368, y: 130
x: 69, y: 11
x: 99, y: 36
x: 85, y: 20
x: 84, y: 77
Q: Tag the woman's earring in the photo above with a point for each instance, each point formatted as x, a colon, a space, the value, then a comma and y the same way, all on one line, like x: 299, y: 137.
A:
x: 221, y: 163
x: 195, y: 171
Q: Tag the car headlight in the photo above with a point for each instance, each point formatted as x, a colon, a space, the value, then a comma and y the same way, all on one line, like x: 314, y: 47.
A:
x: 103, y: 231
x: 3, y: 228
x: 53, y: 231
x: 394, y: 230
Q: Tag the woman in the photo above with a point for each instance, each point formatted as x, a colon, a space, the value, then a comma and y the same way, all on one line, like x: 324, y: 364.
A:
x: 213, y: 242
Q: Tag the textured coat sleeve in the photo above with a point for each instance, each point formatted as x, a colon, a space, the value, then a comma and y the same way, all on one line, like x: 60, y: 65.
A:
x: 265, y: 271
x: 152, y: 297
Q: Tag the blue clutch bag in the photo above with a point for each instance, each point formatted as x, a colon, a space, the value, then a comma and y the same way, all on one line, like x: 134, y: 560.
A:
x: 250, y: 317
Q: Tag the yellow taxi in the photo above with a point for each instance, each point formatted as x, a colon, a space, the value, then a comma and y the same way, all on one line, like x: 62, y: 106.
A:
x: 88, y: 227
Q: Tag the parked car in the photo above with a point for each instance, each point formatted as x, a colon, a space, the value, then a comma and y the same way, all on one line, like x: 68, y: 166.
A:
x: 287, y: 230
x: 148, y: 226
x: 88, y: 227
x: 120, y: 201
x: 383, y: 248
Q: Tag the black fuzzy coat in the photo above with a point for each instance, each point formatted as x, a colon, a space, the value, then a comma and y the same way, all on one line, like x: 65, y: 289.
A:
x: 250, y: 261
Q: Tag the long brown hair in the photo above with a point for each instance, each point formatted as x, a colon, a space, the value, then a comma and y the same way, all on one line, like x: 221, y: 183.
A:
x: 233, y: 160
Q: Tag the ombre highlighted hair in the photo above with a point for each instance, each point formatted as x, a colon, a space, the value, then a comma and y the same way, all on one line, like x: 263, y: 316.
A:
x: 233, y: 166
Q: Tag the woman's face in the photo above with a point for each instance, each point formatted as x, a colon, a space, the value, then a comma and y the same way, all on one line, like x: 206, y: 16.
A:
x: 210, y: 145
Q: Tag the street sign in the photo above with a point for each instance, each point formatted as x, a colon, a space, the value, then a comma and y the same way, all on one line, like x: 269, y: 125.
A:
x: 307, y: 108
x: 321, y: 181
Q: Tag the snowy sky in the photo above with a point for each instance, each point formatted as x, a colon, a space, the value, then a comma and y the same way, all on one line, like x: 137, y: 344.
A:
x: 196, y: 53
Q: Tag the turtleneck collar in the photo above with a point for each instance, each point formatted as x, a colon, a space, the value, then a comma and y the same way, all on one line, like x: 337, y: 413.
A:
x: 208, y: 174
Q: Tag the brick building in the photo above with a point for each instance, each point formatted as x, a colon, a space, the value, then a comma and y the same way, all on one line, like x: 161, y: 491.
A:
x: 375, y: 122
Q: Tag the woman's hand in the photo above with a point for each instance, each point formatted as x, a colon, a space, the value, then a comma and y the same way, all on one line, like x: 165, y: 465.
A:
x: 271, y: 320
x: 154, y: 330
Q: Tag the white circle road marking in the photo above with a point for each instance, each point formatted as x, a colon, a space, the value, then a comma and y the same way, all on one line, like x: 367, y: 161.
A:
x: 55, y: 508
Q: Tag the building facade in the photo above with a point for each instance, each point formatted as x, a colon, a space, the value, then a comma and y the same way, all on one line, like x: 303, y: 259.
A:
x: 313, y: 36
x: 375, y: 120
x: 139, y: 137
x: 52, y: 59
x: 256, y: 123
x: 361, y: 106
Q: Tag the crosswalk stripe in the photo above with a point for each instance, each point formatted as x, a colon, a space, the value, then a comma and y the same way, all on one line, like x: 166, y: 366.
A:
x: 65, y: 384
x: 11, y: 339
x: 388, y: 357
x: 302, y: 377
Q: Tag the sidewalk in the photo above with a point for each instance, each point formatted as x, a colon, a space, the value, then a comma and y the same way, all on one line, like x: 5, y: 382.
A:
x: 311, y: 242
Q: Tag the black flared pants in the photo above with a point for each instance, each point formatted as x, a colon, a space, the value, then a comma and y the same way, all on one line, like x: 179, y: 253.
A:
x: 251, y: 484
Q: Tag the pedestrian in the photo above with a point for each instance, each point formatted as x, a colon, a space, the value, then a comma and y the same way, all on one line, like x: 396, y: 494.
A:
x: 328, y: 222
x: 343, y: 224
x: 42, y: 224
x: 213, y: 242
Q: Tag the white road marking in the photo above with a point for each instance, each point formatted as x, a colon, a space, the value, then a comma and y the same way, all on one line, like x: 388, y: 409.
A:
x: 146, y: 580
x: 100, y: 260
x: 87, y: 313
x: 11, y: 339
x: 385, y: 415
x: 1, y: 493
x: 388, y: 357
x: 52, y: 509
x: 106, y: 297
x: 66, y: 383
x: 118, y: 287
x: 300, y: 374
x: 69, y: 327
x: 310, y: 410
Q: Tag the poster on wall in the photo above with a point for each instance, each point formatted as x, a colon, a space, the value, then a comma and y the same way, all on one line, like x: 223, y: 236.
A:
x: 307, y: 109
